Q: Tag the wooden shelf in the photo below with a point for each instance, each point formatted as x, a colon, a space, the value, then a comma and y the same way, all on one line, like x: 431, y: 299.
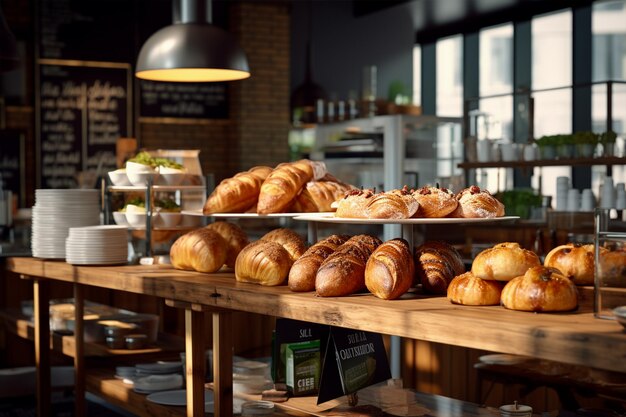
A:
x: 21, y: 325
x: 544, y: 163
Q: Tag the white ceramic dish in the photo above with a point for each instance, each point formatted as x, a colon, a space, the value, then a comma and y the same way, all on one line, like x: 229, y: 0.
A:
x: 119, y: 177
x: 136, y: 167
x: 330, y: 218
x: 141, y: 178
x: 136, y: 216
x: 171, y: 176
x: 167, y: 219
x: 120, y: 218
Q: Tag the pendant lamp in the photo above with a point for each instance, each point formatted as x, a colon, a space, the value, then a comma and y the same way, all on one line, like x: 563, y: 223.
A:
x: 9, y: 57
x: 192, y: 49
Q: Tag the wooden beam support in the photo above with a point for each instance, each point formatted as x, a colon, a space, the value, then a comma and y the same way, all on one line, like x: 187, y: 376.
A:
x: 41, y: 306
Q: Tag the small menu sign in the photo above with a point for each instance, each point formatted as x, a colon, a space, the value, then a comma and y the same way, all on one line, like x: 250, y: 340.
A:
x: 354, y: 359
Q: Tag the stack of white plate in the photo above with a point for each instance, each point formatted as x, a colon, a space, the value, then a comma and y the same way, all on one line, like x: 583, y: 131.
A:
x: 97, y: 245
x: 54, y: 212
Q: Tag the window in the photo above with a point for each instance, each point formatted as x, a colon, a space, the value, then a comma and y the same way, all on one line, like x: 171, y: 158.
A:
x: 496, y: 60
x: 450, y: 76
x: 417, y: 75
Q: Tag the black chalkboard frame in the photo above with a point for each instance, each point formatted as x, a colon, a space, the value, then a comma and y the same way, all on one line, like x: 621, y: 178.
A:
x: 18, y: 143
x: 40, y: 63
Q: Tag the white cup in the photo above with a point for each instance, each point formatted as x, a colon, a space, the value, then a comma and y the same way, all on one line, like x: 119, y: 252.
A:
x: 573, y: 200
x: 620, y: 201
x: 530, y: 151
x: 587, y: 200
x: 507, y: 151
x: 483, y: 150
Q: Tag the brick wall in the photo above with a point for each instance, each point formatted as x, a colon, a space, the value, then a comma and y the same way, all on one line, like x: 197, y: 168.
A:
x: 256, y: 132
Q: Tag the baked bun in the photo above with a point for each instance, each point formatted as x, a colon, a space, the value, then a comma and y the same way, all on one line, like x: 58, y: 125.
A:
x: 467, y: 289
x: 201, y: 250
x: 477, y: 203
x: 504, y: 262
x: 434, y: 202
x: 304, y: 269
x: 353, y: 204
x: 612, y: 268
x: 574, y: 261
x: 263, y: 262
x: 436, y: 264
x: 540, y: 289
x: 409, y: 199
x: 343, y: 272
x: 288, y: 239
x: 390, y: 270
x: 318, y: 196
x: 364, y: 204
x: 237, y: 194
x: 236, y: 239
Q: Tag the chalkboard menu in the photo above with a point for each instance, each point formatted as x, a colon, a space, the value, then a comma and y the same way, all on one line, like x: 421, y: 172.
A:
x: 183, y: 100
x: 12, y: 163
x: 81, y: 112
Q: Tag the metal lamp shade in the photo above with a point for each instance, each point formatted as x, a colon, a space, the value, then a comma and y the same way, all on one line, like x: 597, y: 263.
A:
x: 192, y: 52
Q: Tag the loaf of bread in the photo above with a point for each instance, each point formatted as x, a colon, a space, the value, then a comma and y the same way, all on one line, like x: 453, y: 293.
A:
x: 318, y: 196
x: 236, y: 239
x: 436, y: 264
x: 282, y: 185
x: 268, y: 260
x: 390, y: 270
x: 304, y: 269
x: 237, y: 194
x: 540, y: 289
x: 467, y: 289
x: 201, y: 250
x: 574, y: 261
x: 504, y: 261
x: 476, y: 203
x: 343, y: 272
x: 364, y: 204
x: 434, y: 202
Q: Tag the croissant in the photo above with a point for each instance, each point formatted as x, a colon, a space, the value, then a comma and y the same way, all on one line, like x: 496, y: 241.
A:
x: 343, y: 272
x: 364, y: 204
x: 201, y: 250
x: 434, y: 202
x: 477, y: 203
x: 353, y: 204
x: 282, y: 185
x: 303, y: 271
x: 237, y: 194
x: 390, y: 270
x: 437, y: 263
x: 236, y: 239
x: 317, y: 196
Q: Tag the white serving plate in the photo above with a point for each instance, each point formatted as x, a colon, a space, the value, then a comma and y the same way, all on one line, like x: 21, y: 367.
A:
x: 240, y: 215
x: 330, y: 218
x: 179, y: 398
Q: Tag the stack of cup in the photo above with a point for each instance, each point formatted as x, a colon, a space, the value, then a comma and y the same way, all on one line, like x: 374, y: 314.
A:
x: 608, y: 194
x: 620, y: 196
x: 573, y: 200
x: 562, y: 189
x: 587, y: 200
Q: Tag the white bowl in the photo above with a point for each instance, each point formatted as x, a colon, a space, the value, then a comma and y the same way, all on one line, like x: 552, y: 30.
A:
x: 138, y: 178
x: 120, y: 218
x: 167, y: 219
x: 136, y: 167
x: 119, y: 177
x: 136, y: 216
x: 171, y: 178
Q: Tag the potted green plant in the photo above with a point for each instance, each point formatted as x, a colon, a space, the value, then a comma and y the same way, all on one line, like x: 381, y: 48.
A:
x: 547, y: 146
x: 607, y: 139
x: 564, y: 146
x: 586, y: 143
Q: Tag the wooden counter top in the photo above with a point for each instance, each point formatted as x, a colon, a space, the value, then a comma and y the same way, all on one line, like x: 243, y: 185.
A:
x: 576, y: 337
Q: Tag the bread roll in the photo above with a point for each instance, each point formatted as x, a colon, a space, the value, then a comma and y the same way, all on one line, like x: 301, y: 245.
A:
x: 304, y: 269
x: 201, y: 250
x: 612, y: 268
x: 390, y: 270
x: 318, y: 196
x: 282, y: 185
x: 436, y: 264
x: 343, y: 272
x: 434, y: 202
x: 409, y: 199
x: 263, y: 262
x: 540, y: 289
x: 365, y: 204
x: 236, y: 239
x: 237, y: 194
x: 467, y: 289
x: 477, y: 203
x: 288, y: 239
x: 504, y: 262
x: 353, y: 204
x: 574, y: 261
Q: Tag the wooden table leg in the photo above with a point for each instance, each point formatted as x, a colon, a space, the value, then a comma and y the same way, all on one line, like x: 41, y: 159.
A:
x: 223, y: 363
x: 195, y: 362
x: 41, y: 306
x: 79, y: 354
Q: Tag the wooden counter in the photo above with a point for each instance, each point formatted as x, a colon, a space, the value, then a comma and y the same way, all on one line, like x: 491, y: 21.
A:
x: 576, y: 338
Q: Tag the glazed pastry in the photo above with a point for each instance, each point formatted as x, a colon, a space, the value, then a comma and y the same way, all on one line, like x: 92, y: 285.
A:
x: 574, y: 261
x: 477, y: 203
x: 504, y: 261
x: 282, y: 185
x: 434, y: 202
x: 390, y: 270
x: 540, y: 289
x: 436, y: 264
x: 364, y: 204
x: 236, y: 239
x: 263, y: 262
x: 343, y: 272
x: 237, y: 194
x: 407, y: 196
x: 201, y: 250
x: 304, y: 269
x: 467, y: 289
x: 353, y: 204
